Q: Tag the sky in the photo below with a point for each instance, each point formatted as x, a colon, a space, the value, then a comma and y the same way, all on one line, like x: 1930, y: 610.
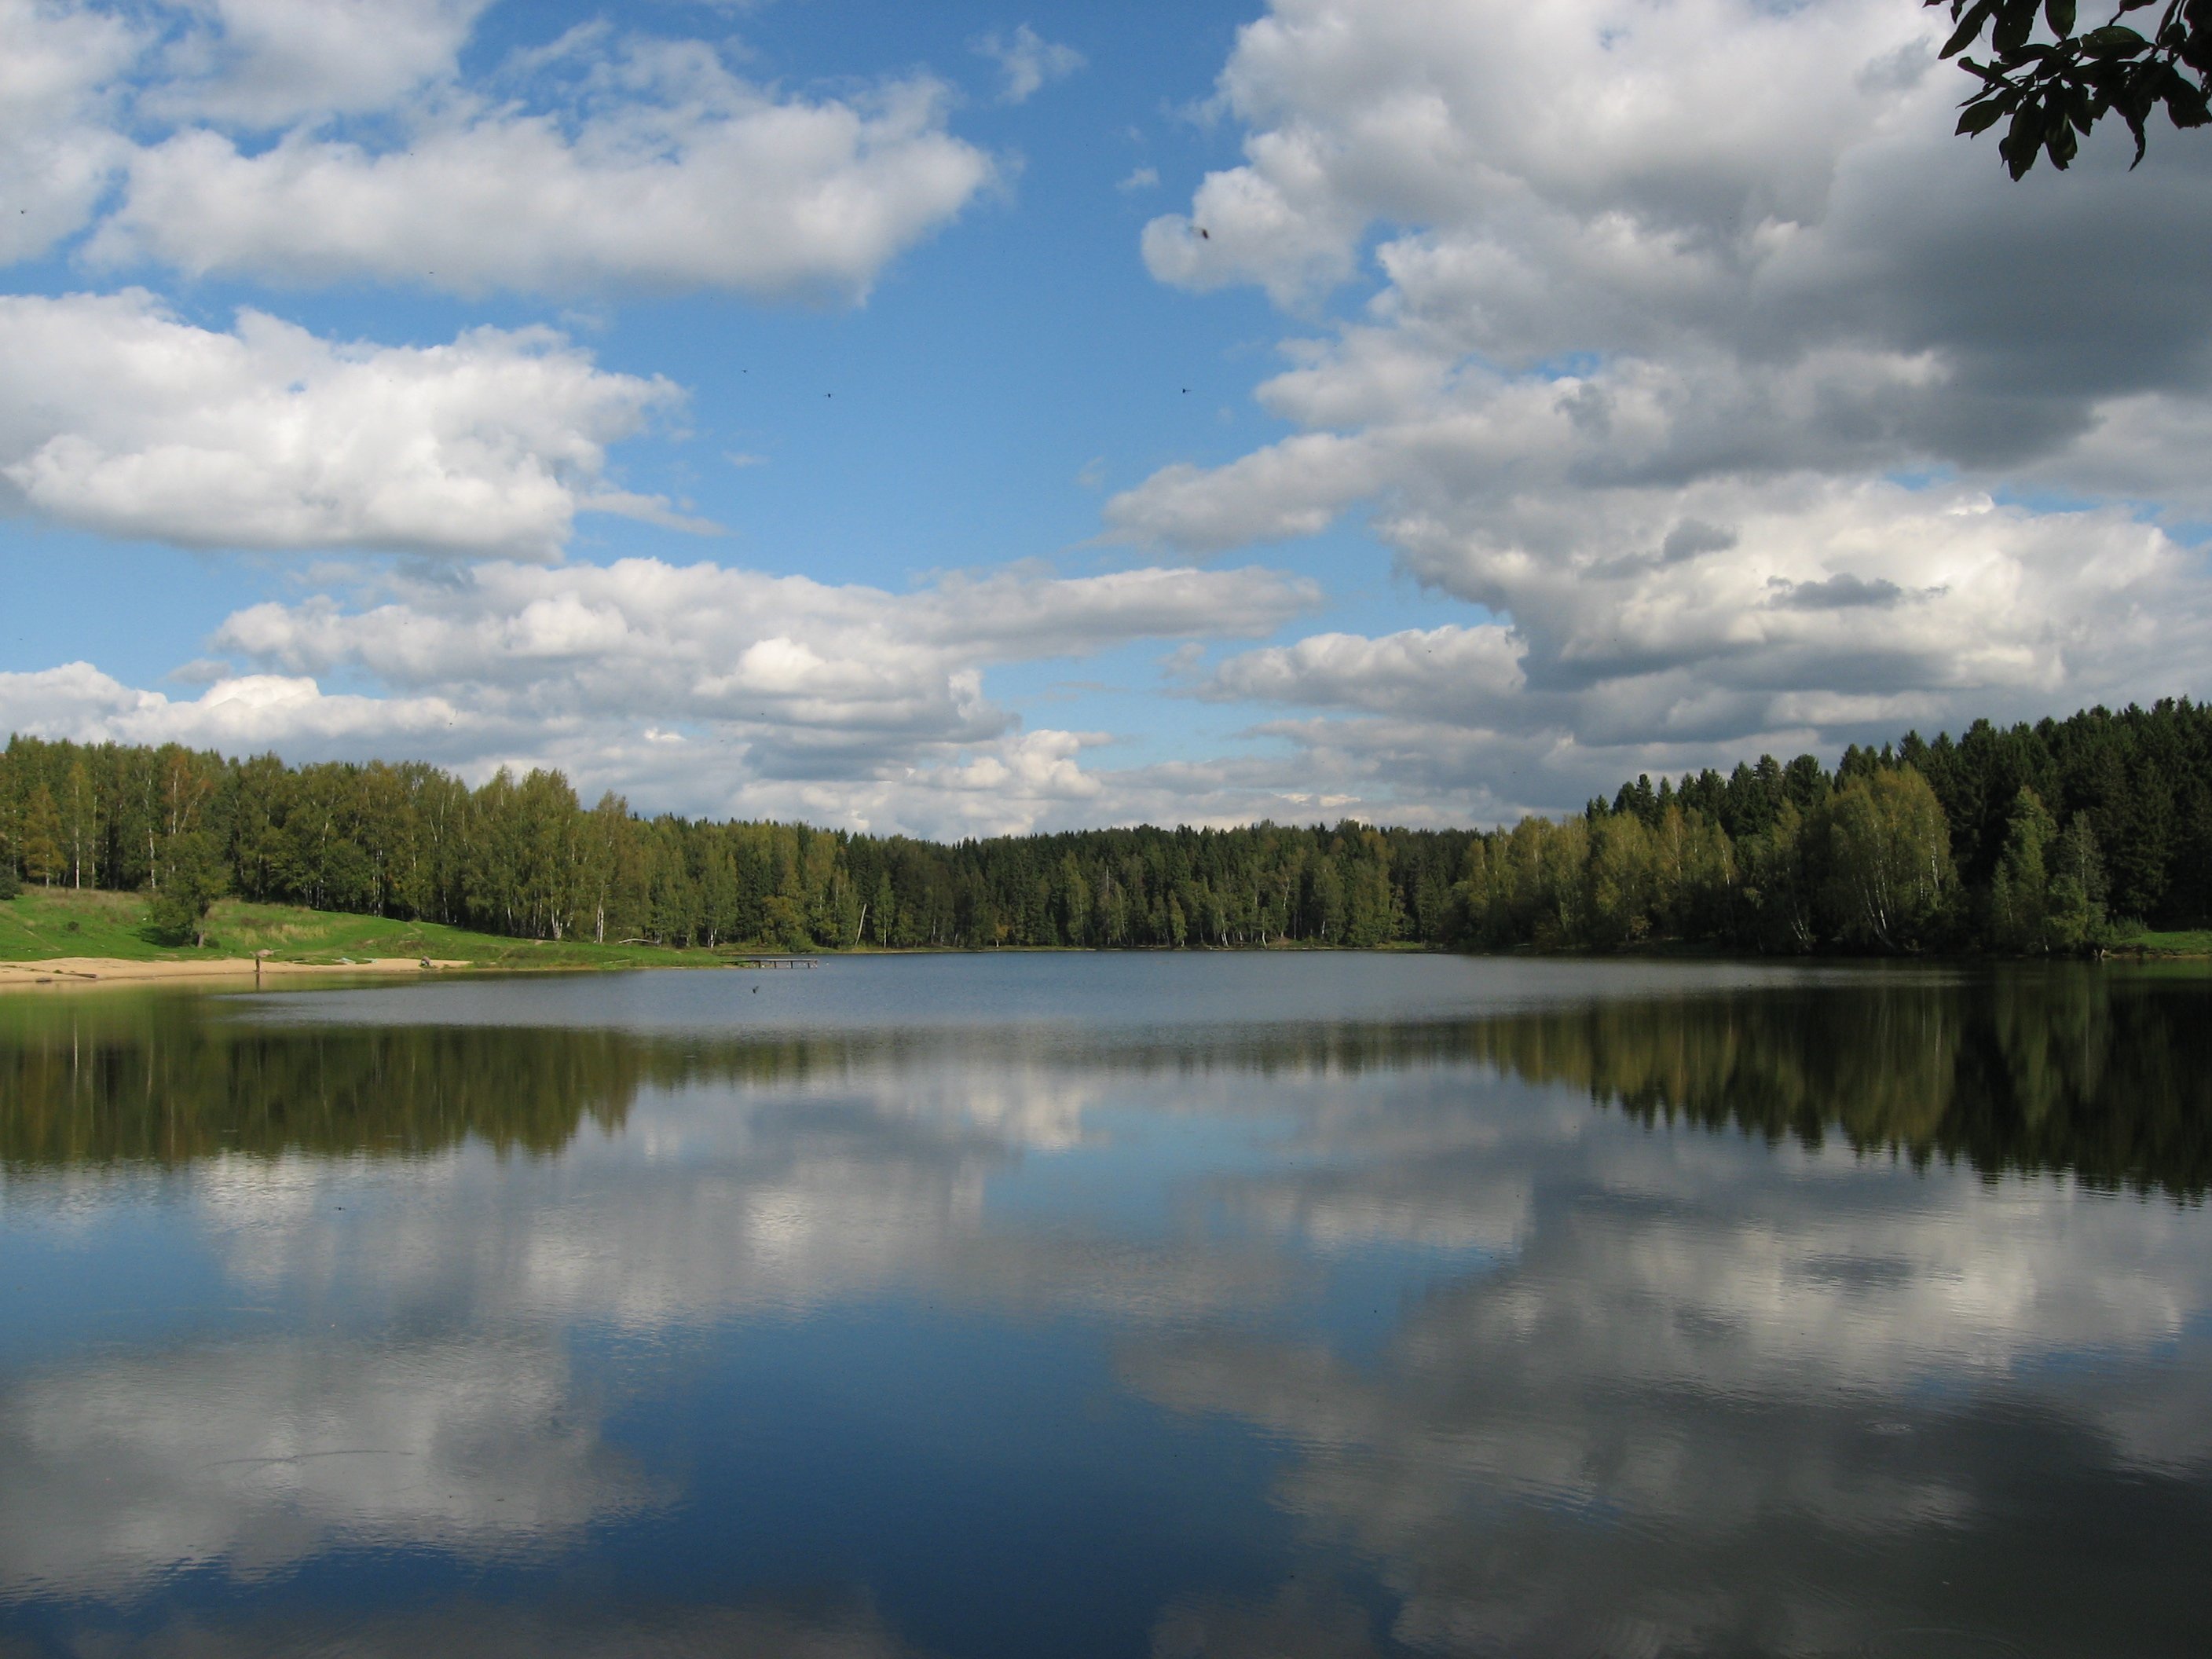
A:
x: 967, y: 419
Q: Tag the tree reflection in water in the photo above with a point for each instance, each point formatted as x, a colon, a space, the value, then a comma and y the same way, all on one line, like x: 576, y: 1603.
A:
x: 2102, y: 1074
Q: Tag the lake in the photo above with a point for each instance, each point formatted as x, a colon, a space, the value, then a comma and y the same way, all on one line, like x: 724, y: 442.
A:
x: 1075, y: 1304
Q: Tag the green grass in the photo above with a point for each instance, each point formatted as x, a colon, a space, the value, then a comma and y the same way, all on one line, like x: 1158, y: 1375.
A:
x: 61, y: 922
x: 2197, y: 942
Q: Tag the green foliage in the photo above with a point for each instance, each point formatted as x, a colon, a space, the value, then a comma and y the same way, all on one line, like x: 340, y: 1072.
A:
x: 2074, y: 909
x: 2019, y: 892
x: 46, y: 922
x: 2050, y: 93
x: 1913, y: 846
x: 42, y: 836
x: 1889, y: 874
x: 192, y: 880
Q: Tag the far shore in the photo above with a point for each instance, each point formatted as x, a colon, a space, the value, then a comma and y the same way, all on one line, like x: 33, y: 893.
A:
x: 62, y: 971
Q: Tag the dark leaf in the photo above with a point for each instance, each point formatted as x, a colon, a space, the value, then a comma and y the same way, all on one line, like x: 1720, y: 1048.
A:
x: 2023, y: 140
x: 1969, y: 27
x: 2059, y: 14
x: 2015, y: 23
x: 1980, y: 118
x: 2143, y: 140
x: 2184, y: 102
x: 2113, y: 41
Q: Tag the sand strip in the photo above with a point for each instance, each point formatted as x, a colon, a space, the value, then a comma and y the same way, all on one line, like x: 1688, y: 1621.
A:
x: 103, y: 970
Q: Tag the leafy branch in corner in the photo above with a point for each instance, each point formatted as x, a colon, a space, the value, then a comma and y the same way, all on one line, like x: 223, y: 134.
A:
x: 2051, y: 92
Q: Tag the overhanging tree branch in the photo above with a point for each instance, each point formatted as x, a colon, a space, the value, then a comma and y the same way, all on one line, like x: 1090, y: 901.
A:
x: 2051, y: 92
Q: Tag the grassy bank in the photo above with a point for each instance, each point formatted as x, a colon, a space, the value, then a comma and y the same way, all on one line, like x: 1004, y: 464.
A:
x: 2194, y: 943
x: 42, y: 923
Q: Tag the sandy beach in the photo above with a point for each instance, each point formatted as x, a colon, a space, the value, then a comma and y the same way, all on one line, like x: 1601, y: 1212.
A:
x: 62, y: 971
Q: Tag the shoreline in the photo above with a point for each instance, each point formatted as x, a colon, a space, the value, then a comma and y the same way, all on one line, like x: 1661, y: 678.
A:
x: 62, y: 972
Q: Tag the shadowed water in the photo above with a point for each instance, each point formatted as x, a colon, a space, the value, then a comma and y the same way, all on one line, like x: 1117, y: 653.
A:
x: 1223, y: 1305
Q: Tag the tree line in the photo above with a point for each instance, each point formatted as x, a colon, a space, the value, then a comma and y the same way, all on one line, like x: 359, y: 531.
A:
x: 2032, y: 839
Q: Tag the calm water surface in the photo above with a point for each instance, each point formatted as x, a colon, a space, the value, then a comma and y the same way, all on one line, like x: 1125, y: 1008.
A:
x: 1315, y: 1305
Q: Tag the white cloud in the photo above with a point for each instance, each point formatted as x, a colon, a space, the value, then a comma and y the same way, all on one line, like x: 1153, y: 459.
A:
x: 58, y: 147
x: 236, y: 713
x: 598, y: 162
x: 653, y: 166
x: 262, y: 63
x: 1822, y: 608
x: 1028, y: 61
x: 1443, y: 673
x: 1649, y: 134
x: 117, y: 416
x: 1668, y: 297
x: 699, y: 688
x: 1140, y: 179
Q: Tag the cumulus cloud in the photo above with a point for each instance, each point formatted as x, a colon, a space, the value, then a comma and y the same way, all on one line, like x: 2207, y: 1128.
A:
x: 654, y: 167
x: 262, y: 63
x: 700, y: 687
x: 117, y: 416
x: 1438, y: 671
x: 600, y: 162
x: 235, y: 713
x: 1667, y: 300
x: 1028, y: 61
x: 58, y: 145
x: 1825, y: 608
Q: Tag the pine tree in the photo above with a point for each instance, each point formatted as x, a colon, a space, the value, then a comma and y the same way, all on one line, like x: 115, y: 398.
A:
x: 2020, y: 889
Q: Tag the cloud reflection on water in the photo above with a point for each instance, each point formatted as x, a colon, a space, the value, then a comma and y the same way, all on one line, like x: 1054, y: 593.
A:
x: 1737, y: 1359
x: 255, y: 1454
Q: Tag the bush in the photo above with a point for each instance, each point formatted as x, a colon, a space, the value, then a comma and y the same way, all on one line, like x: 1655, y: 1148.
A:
x: 10, y: 883
x: 193, y: 881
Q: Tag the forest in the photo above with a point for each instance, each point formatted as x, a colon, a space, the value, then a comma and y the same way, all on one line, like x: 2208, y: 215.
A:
x: 2052, y: 838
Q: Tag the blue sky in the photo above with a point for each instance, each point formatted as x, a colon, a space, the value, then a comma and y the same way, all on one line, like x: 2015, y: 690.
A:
x: 957, y: 418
